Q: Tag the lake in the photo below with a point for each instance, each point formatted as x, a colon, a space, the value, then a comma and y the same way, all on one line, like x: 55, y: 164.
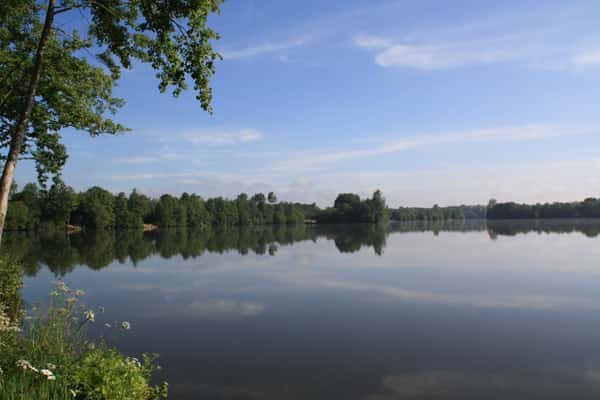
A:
x: 469, y: 310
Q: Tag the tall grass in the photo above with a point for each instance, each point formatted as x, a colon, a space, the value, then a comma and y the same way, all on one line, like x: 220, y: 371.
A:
x: 45, y: 353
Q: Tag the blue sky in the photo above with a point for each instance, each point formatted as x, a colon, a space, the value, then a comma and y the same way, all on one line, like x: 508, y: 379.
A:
x: 430, y: 101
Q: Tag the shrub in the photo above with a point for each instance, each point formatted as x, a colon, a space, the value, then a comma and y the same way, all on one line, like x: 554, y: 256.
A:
x: 107, y: 374
x: 52, y: 357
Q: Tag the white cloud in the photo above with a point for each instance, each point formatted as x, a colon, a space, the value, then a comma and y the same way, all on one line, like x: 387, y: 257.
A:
x: 151, y: 158
x: 503, y: 134
x: 318, y: 177
x: 436, y: 55
x: 226, y: 307
x: 488, y: 39
x: 260, y: 49
x: 587, y: 58
x: 223, y: 138
x: 371, y: 42
x: 557, y: 380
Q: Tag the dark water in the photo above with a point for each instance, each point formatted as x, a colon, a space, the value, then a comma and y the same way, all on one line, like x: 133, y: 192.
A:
x: 459, y: 311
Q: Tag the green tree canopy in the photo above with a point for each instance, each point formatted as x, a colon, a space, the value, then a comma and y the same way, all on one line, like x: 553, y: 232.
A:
x: 52, y: 78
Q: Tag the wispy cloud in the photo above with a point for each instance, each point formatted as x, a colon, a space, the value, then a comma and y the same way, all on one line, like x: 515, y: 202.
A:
x: 223, y: 138
x: 260, y: 49
x: 372, y: 42
x: 587, y: 58
x: 486, y: 40
x: 151, y: 158
x: 501, y: 134
x: 436, y: 55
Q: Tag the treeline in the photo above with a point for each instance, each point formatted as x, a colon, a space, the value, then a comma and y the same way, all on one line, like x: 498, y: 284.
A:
x: 350, y: 208
x: 589, y: 208
x: 97, y: 208
x: 437, y: 213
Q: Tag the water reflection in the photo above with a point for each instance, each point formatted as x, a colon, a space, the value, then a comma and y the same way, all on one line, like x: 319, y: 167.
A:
x: 462, y: 310
x: 98, y: 249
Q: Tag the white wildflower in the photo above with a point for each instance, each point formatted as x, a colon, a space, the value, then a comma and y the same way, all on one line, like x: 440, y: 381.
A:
x: 6, y: 325
x: 134, y: 361
x: 74, y: 393
x: 51, y: 366
x: 126, y: 325
x: 48, y: 374
x: 89, y: 315
x: 79, y: 292
x: 62, y: 286
x: 23, y: 364
x: 107, y: 325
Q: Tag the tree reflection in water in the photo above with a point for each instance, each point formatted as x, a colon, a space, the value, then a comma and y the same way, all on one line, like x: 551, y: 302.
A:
x: 97, y: 249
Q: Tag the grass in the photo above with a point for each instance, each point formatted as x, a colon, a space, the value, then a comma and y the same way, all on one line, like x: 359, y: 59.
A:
x: 47, y: 354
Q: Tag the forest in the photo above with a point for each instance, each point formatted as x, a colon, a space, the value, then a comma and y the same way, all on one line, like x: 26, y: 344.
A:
x: 97, y: 208
x: 350, y: 208
x: 437, y: 213
x: 588, y: 208
x: 32, y: 208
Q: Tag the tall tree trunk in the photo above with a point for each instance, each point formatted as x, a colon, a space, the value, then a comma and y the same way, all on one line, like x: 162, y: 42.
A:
x: 20, y: 130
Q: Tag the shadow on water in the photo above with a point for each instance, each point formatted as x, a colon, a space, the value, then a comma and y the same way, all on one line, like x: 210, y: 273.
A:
x: 62, y: 253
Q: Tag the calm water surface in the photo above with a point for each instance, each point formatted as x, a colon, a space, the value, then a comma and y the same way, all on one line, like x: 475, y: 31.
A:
x: 462, y: 311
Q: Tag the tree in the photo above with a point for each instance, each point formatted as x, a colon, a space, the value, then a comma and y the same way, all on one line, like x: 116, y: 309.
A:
x: 379, y: 208
x: 96, y: 209
x: 272, y: 198
x: 58, y: 203
x: 140, y: 204
x: 125, y: 218
x: 66, y: 86
x: 197, y: 213
x: 166, y: 211
x: 19, y: 218
x: 30, y: 196
x: 349, y: 208
x: 259, y: 198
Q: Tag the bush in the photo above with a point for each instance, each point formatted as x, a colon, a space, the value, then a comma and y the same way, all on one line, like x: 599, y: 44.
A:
x: 52, y: 358
x: 10, y: 284
x: 107, y: 374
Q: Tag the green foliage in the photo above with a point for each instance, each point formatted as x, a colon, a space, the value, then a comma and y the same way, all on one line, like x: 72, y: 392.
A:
x: 10, y: 284
x: 141, y: 205
x: 79, y: 72
x: 96, y: 209
x: 106, y: 374
x: 31, y: 197
x: 589, y: 208
x: 349, y: 208
x: 99, y: 209
x: 58, y: 203
x: 437, y: 213
x: 31, y: 386
x: 19, y: 217
x: 166, y: 211
x: 53, y: 358
x: 126, y: 218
